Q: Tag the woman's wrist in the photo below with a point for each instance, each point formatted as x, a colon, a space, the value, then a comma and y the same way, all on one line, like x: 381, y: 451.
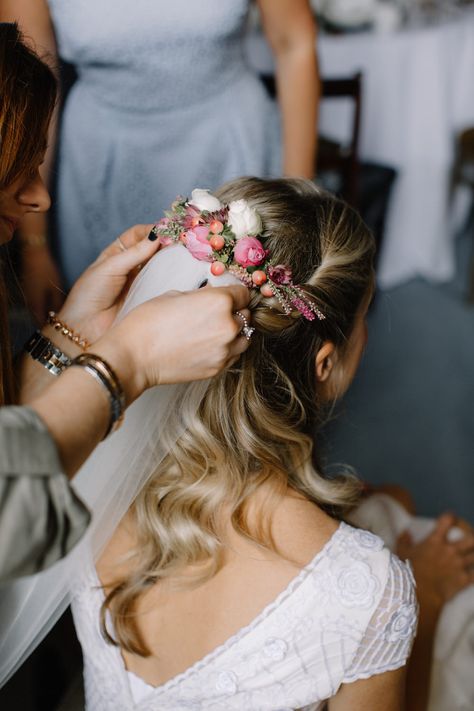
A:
x: 62, y: 342
x: 115, y: 351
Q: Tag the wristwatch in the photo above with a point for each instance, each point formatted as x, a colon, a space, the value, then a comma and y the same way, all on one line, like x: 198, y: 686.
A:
x: 45, y: 352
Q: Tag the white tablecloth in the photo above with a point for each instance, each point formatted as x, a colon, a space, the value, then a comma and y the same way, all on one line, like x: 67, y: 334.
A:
x: 418, y: 93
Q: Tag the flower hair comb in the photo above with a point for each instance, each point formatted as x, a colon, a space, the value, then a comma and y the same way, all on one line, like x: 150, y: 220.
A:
x: 227, y: 237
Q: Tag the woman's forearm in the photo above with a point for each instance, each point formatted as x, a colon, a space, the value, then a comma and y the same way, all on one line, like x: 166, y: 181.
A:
x: 298, y: 95
x: 290, y: 29
x: 76, y: 409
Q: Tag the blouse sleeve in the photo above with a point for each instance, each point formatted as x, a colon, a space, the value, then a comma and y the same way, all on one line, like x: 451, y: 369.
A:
x: 41, y: 517
x: 389, y: 636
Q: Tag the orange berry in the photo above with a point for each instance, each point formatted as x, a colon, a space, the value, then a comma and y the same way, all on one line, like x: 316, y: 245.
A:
x: 195, y: 221
x: 216, y: 226
x: 259, y: 277
x: 217, y: 242
x: 266, y: 290
x: 217, y: 268
x: 183, y: 237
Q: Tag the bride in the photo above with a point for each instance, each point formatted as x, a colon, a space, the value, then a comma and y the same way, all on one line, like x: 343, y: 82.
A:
x: 231, y: 582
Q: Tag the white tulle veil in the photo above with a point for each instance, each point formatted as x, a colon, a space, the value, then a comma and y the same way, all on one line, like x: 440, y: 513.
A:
x: 110, y: 479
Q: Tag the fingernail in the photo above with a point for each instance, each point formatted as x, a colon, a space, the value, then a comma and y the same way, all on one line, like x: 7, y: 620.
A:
x: 153, y: 235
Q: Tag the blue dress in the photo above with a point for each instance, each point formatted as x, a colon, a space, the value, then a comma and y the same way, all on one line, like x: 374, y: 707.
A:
x: 164, y: 102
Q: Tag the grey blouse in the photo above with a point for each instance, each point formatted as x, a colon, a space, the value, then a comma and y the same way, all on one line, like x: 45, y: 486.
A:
x: 41, y: 518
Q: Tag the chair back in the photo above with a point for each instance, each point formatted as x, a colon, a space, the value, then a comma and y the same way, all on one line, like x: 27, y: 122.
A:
x: 343, y: 158
x: 334, y: 157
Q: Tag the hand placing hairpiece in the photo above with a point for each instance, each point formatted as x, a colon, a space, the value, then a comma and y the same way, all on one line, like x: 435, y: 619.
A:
x: 227, y: 236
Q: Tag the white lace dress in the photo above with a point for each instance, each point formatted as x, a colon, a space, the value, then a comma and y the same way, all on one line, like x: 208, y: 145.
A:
x: 351, y: 613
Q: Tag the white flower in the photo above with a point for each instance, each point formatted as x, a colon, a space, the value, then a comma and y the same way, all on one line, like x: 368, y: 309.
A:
x: 401, y: 625
x: 226, y: 682
x: 355, y: 585
x: 203, y: 200
x: 366, y: 539
x: 243, y: 219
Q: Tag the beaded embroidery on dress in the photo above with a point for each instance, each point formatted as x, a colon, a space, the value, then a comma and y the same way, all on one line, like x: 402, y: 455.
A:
x: 351, y: 613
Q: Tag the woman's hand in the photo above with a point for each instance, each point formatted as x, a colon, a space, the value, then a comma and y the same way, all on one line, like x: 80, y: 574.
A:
x: 442, y: 568
x: 98, y: 294
x: 177, y: 337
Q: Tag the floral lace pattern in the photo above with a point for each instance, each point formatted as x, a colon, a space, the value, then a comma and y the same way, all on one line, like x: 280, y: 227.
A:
x: 349, y: 614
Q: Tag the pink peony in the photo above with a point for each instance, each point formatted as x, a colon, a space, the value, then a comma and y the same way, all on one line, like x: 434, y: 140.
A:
x: 198, y: 245
x: 249, y: 252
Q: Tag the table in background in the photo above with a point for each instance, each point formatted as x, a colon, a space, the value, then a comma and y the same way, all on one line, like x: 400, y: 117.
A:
x: 418, y: 93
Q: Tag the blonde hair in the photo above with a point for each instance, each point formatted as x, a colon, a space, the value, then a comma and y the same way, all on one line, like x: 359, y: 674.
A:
x: 255, y: 421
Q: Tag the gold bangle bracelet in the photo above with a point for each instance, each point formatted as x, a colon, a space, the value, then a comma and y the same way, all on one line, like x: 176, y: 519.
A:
x: 101, y: 371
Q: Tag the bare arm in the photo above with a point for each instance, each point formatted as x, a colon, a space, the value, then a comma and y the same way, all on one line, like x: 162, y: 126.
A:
x: 290, y: 29
x: 176, y: 337
x: 383, y: 691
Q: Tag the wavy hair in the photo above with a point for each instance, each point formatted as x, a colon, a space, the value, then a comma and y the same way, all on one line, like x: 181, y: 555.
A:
x: 255, y: 421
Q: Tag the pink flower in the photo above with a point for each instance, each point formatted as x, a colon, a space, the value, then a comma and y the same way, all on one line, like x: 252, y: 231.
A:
x: 198, y: 245
x: 201, y: 232
x: 163, y: 223
x: 165, y: 240
x: 192, y: 215
x: 249, y: 252
x: 280, y: 274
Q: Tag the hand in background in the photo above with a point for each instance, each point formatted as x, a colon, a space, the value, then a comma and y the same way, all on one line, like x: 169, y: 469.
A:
x: 442, y: 568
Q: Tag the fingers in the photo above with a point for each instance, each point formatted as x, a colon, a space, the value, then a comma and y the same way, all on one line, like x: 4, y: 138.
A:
x: 443, y: 524
x: 240, y: 319
x: 464, y: 545
x: 240, y: 295
x: 130, y: 238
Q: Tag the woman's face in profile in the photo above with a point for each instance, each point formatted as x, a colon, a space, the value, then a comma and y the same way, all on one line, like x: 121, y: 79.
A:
x: 26, y: 194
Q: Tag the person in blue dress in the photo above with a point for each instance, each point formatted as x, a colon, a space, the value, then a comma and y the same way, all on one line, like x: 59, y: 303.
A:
x: 164, y: 101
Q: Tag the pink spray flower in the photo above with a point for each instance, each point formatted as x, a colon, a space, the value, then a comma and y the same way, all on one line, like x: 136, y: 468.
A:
x: 192, y: 217
x: 196, y: 242
x: 279, y: 274
x: 249, y: 252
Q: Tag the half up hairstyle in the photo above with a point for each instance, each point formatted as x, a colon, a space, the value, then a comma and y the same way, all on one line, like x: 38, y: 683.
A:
x: 255, y: 421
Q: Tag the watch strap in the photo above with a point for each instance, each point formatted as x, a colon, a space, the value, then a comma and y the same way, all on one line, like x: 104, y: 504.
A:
x: 45, y: 352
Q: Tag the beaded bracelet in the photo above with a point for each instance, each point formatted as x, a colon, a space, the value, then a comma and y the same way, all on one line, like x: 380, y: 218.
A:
x: 101, y: 371
x: 66, y: 331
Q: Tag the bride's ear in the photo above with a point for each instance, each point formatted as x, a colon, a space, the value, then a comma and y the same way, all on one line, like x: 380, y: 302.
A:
x: 325, y: 361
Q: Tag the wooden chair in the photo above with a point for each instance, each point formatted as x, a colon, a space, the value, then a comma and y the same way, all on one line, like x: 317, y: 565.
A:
x: 333, y: 157
x: 365, y: 186
x: 343, y: 158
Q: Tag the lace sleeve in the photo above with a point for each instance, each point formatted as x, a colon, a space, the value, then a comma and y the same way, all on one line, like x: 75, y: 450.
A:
x: 387, y: 642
